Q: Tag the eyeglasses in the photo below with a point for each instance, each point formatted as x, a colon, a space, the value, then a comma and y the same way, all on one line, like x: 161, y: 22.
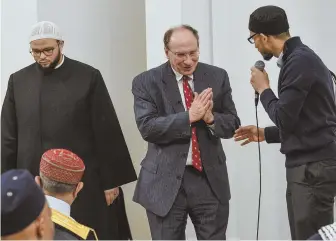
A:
x: 184, y: 56
x: 250, y: 39
x: 47, y: 51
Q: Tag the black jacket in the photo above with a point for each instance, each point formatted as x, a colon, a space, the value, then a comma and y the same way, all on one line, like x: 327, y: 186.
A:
x: 305, y: 112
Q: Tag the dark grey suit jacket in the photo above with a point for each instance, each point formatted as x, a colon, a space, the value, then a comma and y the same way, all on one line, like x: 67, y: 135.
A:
x: 164, y: 124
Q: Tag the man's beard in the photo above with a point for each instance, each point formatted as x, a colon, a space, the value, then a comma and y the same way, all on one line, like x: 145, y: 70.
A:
x: 52, y: 65
x: 267, y: 56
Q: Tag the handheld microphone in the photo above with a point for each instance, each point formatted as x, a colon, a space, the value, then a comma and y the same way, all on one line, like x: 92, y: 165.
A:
x: 261, y: 66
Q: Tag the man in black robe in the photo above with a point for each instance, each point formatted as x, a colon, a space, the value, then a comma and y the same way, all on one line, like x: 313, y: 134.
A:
x: 58, y: 102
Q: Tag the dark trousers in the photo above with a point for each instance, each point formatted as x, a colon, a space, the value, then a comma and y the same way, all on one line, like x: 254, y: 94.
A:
x: 311, y: 189
x: 196, y: 199
x: 315, y: 237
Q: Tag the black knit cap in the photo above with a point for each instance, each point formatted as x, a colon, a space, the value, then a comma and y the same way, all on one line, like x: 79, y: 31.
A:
x: 269, y: 20
x: 22, y: 201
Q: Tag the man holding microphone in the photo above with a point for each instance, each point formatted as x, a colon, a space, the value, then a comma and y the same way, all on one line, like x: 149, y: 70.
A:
x: 305, y: 120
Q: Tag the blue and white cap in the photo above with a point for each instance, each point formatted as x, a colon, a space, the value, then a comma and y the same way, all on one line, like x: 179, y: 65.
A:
x: 22, y: 201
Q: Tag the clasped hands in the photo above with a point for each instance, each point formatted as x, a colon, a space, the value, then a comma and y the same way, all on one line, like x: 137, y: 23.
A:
x: 201, y: 107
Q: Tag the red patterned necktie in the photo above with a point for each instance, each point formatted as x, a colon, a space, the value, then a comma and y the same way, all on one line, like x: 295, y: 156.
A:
x: 196, y: 155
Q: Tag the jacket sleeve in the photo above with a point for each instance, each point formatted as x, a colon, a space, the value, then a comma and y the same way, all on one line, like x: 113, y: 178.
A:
x: 114, y: 160
x: 272, y: 134
x: 226, y: 120
x: 154, y: 128
x: 9, y: 133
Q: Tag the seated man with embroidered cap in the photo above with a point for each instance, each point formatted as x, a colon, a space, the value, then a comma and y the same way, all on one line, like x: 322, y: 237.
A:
x: 25, y: 214
x: 60, y: 177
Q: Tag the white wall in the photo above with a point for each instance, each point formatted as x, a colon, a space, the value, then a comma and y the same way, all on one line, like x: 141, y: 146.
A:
x: 15, y: 28
x: 161, y: 15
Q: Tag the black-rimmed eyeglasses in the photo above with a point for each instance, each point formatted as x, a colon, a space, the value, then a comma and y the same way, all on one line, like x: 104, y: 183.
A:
x: 183, y: 56
x: 250, y: 39
x: 47, y: 51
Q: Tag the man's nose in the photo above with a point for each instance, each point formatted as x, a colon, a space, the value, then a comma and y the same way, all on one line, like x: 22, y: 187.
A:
x: 42, y: 55
x: 188, y: 60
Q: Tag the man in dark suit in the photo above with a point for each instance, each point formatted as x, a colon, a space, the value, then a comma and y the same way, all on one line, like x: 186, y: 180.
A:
x: 182, y: 109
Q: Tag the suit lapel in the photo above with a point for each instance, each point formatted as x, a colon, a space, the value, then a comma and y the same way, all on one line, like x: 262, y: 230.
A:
x: 200, y: 83
x: 171, y: 89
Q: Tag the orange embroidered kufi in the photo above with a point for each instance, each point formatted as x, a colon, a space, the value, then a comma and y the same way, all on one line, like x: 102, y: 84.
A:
x: 62, y: 166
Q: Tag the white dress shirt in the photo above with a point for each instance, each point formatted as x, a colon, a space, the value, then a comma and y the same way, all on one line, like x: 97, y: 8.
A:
x: 180, y: 86
x: 58, y: 205
x: 280, y: 60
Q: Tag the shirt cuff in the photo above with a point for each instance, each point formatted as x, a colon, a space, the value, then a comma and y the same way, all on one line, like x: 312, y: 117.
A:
x: 212, y: 128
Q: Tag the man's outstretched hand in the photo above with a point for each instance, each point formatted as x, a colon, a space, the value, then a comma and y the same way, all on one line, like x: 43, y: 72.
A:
x: 249, y: 134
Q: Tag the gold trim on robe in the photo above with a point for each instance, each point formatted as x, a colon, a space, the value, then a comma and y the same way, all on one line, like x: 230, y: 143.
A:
x: 70, y: 224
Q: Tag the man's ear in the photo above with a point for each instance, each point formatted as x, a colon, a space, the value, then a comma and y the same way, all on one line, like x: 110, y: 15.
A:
x: 40, y: 227
x: 166, y: 52
x: 38, y: 181
x: 264, y: 37
x: 61, y: 45
x: 79, y: 187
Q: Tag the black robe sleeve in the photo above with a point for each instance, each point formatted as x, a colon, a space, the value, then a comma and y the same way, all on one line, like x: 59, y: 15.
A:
x: 8, y: 130
x: 115, y: 164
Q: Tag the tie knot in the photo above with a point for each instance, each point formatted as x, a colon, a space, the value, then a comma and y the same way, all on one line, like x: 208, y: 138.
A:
x: 186, y: 78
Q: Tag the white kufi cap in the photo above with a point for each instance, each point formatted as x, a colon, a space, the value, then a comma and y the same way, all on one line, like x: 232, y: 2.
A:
x: 45, y: 29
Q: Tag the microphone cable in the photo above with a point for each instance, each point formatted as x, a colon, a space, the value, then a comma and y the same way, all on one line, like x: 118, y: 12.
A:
x: 260, y: 65
x: 259, y: 155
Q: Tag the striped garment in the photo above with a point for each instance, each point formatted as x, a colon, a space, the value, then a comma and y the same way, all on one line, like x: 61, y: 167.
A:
x: 334, y: 79
x: 328, y: 232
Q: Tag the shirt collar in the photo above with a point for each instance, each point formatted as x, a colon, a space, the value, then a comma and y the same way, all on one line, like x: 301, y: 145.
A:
x: 59, y: 65
x: 59, y: 205
x: 290, y: 45
x: 280, y: 60
x: 179, y: 76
